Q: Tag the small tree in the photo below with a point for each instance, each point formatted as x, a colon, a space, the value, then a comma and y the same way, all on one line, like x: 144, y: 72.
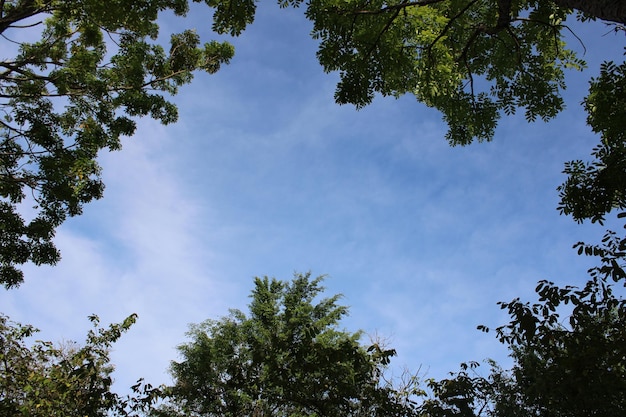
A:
x: 43, y: 379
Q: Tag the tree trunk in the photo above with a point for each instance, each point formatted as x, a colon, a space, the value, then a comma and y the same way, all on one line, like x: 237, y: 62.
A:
x: 609, y: 10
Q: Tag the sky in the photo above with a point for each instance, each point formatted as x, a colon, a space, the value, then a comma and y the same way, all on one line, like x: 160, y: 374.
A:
x: 264, y: 175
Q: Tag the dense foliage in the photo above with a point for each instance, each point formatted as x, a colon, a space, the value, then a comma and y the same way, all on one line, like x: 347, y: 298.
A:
x: 574, y: 364
x: 75, y: 90
x: 569, y: 352
x: 288, y: 357
x: 70, y: 93
x: 475, y: 61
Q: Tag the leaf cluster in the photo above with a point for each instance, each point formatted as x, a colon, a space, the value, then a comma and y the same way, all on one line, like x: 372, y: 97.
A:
x: 595, y: 188
x: 44, y: 379
x: 71, y: 94
x: 471, y: 59
x: 569, y: 348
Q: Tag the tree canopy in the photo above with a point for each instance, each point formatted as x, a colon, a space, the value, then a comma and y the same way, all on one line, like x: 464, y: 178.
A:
x: 94, y: 67
x: 572, y: 361
x: 475, y: 61
x: 287, y: 357
x: 71, y: 93
x: 472, y: 59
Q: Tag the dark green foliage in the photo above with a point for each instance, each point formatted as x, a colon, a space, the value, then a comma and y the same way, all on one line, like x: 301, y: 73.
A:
x: 475, y: 61
x: 286, y: 358
x: 569, y: 352
x: 71, y: 94
x: 464, y: 394
x: 595, y: 188
x: 575, y: 365
x: 42, y: 379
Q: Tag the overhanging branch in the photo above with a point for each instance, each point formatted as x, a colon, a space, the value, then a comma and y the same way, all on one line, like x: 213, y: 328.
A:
x: 609, y: 10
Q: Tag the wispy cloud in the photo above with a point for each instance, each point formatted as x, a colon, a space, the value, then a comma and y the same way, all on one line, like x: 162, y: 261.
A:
x: 139, y: 250
x: 263, y: 174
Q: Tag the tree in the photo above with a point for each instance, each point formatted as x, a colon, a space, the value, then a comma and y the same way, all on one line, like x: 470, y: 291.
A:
x: 44, y: 379
x: 474, y: 60
x: 594, y: 189
x: 577, y: 367
x: 71, y: 94
x: 471, y: 59
x: 569, y: 352
x: 286, y: 358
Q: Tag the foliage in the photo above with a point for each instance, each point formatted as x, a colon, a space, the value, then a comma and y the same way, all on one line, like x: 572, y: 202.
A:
x: 474, y: 60
x: 72, y: 93
x: 576, y: 368
x: 471, y: 59
x: 466, y: 393
x: 43, y: 379
x: 286, y: 358
x: 593, y: 189
x: 562, y: 368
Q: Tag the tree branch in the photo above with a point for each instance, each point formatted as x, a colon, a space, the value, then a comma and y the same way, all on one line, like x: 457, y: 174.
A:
x: 396, y: 7
x: 609, y: 10
x: 449, y: 24
x: 382, y: 32
x: 29, y: 8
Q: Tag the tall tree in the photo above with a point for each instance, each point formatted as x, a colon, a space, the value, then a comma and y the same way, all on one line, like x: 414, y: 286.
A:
x: 71, y: 93
x: 286, y: 358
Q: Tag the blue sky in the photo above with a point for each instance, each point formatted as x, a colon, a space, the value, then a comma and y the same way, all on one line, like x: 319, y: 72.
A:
x: 265, y: 175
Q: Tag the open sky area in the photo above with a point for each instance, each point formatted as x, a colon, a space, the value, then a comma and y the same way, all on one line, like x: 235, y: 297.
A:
x: 265, y: 175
